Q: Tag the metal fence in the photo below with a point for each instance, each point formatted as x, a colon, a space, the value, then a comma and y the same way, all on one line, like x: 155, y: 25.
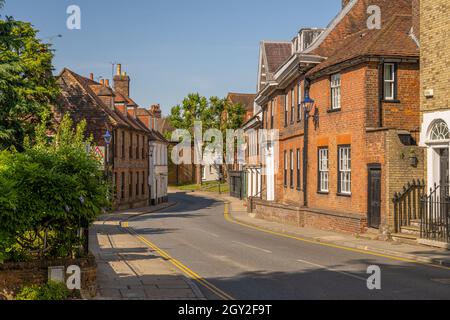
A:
x: 407, y: 204
x: 435, y: 215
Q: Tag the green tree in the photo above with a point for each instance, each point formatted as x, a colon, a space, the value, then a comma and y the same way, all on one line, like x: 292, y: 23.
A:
x: 214, y: 113
x: 27, y: 86
x: 51, y: 190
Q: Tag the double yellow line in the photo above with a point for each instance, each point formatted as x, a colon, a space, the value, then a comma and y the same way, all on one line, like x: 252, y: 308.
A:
x: 180, y: 266
x: 230, y: 219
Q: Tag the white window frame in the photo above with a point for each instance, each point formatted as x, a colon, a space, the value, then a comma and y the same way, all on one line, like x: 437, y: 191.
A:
x: 285, y: 178
x: 345, y: 170
x: 292, y: 172
x: 272, y: 114
x: 389, y: 80
x: 286, y: 110
x: 324, y: 170
x: 336, y: 91
x: 293, y: 105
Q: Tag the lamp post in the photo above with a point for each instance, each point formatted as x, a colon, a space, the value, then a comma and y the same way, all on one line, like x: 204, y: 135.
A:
x: 108, y: 139
x: 307, y: 105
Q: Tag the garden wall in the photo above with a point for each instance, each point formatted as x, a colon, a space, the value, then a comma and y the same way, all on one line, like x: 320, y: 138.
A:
x: 14, y: 276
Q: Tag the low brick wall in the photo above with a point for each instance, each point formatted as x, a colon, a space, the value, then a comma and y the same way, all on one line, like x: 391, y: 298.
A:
x: 307, y: 217
x: 275, y: 212
x: 14, y: 276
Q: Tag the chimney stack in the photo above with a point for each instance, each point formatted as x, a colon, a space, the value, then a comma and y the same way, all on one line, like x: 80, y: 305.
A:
x: 122, y: 82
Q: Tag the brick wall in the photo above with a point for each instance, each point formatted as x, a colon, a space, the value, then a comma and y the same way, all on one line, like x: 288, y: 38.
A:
x: 404, y: 114
x: 135, y: 170
x: 14, y: 276
x: 306, y: 217
x: 435, y: 48
x: 399, y: 170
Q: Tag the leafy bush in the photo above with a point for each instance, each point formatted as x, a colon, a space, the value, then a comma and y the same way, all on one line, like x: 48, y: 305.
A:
x: 50, y: 291
x: 48, y: 192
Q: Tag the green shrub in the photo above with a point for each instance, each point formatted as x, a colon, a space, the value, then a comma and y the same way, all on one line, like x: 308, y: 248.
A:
x: 48, y: 292
x: 48, y: 192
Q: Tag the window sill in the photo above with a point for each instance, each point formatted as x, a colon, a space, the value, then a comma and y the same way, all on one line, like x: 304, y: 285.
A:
x: 324, y: 193
x: 345, y: 195
x: 390, y: 101
x: 334, y: 110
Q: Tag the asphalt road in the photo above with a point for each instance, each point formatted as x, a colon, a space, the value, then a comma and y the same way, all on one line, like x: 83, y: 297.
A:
x: 250, y: 264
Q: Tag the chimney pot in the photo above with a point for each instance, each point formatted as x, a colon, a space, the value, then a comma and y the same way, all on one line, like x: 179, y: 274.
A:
x: 119, y: 69
x: 102, y: 82
x: 107, y: 82
x: 91, y: 76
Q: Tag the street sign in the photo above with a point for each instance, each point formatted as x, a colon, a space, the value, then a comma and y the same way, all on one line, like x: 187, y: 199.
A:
x: 99, y: 154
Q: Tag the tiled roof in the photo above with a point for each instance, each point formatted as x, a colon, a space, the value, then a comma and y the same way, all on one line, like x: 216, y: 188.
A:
x: 92, y: 89
x: 276, y: 53
x: 245, y: 99
x: 393, y: 40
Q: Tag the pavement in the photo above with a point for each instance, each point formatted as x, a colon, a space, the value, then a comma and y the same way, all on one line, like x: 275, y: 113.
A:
x: 129, y: 270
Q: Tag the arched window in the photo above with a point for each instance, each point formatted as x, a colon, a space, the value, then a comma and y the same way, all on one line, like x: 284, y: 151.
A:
x: 439, y: 131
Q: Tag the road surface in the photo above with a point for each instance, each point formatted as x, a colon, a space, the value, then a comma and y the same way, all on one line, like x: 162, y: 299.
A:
x: 244, y: 263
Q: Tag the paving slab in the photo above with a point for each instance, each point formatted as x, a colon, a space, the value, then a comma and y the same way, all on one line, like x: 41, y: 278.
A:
x: 128, y: 270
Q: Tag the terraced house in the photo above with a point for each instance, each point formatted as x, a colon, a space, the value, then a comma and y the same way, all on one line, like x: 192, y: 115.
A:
x: 433, y: 22
x: 346, y: 102
x: 112, y: 115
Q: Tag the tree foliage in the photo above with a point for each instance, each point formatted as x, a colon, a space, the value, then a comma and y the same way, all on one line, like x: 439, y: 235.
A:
x: 27, y: 86
x: 214, y: 113
x: 48, y: 192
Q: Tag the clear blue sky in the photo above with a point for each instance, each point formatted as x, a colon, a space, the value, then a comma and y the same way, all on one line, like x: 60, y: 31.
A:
x: 172, y: 47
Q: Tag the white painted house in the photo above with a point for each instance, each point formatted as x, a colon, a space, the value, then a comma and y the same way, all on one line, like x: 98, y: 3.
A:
x: 159, y: 168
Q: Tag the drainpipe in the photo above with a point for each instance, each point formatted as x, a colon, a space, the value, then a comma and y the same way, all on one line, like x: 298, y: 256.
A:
x: 380, y: 92
x: 305, y: 147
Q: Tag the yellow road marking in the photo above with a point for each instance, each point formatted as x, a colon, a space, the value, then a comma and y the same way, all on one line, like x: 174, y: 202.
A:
x: 229, y: 218
x: 183, y: 268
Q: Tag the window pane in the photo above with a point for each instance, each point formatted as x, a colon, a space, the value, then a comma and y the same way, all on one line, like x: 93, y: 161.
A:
x: 389, y: 90
x: 388, y: 71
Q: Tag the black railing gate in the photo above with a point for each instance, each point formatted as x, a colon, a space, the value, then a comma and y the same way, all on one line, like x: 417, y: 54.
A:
x: 407, y: 204
x: 435, y: 212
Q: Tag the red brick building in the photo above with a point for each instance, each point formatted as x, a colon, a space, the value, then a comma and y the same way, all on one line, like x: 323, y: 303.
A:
x: 108, y: 109
x: 362, y: 129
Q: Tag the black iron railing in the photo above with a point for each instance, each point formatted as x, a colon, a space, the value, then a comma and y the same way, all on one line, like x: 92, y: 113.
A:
x: 435, y: 210
x: 407, y: 204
